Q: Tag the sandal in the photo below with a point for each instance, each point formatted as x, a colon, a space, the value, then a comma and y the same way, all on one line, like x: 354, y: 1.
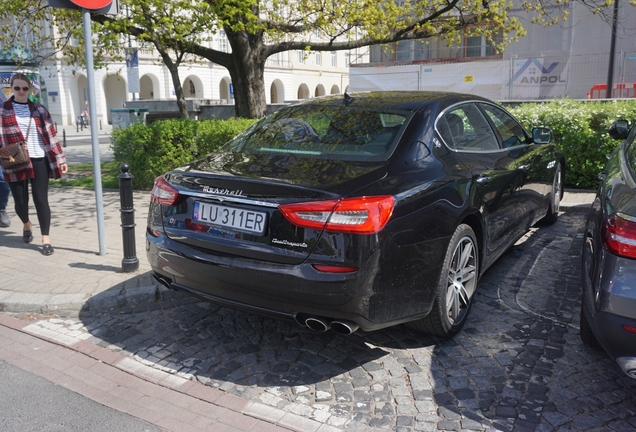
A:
x: 27, y: 236
x: 47, y: 249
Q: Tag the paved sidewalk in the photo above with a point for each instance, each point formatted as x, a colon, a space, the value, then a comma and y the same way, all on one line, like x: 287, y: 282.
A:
x: 72, y: 132
x: 170, y: 402
x: 75, y: 277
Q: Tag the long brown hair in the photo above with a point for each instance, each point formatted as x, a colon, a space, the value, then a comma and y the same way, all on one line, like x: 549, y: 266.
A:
x: 22, y: 77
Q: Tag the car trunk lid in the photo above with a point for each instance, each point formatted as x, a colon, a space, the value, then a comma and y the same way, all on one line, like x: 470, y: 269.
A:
x: 229, y: 202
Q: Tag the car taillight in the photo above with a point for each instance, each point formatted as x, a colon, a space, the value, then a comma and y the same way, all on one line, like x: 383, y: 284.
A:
x: 334, y: 269
x: 629, y: 328
x: 619, y: 236
x: 164, y: 193
x: 365, y: 215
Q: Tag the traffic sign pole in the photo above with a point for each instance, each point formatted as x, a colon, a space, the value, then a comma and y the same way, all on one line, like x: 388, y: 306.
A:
x: 97, y: 169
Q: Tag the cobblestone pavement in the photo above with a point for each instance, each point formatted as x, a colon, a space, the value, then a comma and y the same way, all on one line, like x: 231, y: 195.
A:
x: 517, y: 365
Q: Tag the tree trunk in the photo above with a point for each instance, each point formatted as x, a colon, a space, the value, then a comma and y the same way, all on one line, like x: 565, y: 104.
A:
x: 176, y: 82
x: 247, y: 70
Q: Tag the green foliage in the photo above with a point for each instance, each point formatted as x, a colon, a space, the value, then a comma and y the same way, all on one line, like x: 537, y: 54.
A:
x: 580, y: 129
x: 151, y: 150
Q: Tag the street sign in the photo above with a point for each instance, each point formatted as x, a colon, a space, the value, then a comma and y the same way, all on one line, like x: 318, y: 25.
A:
x: 92, y: 4
x: 111, y: 7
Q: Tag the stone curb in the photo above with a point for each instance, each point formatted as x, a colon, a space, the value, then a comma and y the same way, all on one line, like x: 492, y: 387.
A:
x: 17, y: 302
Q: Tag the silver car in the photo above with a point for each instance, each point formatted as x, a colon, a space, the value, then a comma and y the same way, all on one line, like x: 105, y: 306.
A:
x: 608, y: 307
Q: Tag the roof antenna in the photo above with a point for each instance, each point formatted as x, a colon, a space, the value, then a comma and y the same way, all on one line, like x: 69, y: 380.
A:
x: 347, y: 99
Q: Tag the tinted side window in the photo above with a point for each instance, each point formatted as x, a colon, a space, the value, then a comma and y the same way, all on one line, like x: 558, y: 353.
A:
x: 464, y: 127
x: 512, y: 133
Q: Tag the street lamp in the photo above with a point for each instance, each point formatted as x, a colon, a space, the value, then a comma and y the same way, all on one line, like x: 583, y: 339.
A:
x: 610, y: 71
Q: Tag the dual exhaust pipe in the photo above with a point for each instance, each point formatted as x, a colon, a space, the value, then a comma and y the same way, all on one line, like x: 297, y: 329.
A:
x: 314, y: 323
x: 322, y: 325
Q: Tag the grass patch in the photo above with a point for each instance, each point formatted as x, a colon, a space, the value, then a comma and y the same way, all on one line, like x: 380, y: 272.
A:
x: 81, y: 175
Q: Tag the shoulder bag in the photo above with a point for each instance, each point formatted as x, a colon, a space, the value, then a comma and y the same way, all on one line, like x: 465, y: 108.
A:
x: 15, y: 155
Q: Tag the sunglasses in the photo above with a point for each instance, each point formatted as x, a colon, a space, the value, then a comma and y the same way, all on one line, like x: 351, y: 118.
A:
x: 18, y: 88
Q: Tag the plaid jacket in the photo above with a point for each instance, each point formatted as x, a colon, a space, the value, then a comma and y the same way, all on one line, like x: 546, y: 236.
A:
x: 10, y: 133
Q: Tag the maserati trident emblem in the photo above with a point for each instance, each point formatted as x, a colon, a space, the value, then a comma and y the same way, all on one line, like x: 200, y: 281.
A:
x: 218, y: 191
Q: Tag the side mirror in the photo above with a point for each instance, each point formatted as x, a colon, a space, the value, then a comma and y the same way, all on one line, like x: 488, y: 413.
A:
x: 619, y: 129
x: 541, y: 135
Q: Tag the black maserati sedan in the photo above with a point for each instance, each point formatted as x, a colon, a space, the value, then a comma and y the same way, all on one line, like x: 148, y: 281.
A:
x: 358, y: 211
x: 608, y: 305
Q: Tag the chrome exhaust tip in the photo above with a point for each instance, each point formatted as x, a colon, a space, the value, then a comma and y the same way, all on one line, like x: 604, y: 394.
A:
x: 628, y: 365
x: 163, y: 280
x: 344, y: 327
x: 317, y: 324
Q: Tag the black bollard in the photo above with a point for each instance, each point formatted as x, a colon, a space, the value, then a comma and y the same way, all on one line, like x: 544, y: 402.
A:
x: 130, y: 262
x: 63, y: 137
x: 77, y: 126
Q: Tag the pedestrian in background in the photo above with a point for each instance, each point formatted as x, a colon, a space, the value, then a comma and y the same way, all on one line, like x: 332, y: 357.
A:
x: 24, y: 120
x: 4, y: 199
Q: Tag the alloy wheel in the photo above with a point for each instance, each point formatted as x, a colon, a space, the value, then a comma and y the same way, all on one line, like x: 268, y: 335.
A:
x: 462, y: 280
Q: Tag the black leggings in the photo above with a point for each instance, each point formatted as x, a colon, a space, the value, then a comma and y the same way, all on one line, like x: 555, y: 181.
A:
x: 40, y: 190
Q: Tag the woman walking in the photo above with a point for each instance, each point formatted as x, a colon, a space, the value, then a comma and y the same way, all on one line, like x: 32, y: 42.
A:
x: 26, y: 121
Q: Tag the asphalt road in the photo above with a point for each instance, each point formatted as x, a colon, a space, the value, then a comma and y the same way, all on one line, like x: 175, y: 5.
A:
x: 29, y: 403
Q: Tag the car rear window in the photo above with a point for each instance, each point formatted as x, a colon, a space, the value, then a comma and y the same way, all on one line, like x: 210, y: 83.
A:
x: 332, y: 132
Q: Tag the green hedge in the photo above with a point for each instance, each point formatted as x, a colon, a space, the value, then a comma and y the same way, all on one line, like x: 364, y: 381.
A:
x: 580, y: 129
x: 154, y: 149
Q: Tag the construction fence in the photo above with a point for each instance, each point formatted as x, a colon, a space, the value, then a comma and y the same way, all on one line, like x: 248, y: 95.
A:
x: 532, y: 78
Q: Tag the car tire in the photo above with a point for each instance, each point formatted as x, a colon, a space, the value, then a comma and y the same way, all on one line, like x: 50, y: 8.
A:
x: 455, y: 288
x: 555, y: 198
x: 585, y: 331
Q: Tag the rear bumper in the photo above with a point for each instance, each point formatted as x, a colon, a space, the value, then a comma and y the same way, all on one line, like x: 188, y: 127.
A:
x: 616, y: 308
x: 610, y: 333
x: 380, y: 294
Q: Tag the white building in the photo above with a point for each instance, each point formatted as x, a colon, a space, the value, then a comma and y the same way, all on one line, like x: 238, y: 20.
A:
x: 289, y: 76
x: 569, y: 59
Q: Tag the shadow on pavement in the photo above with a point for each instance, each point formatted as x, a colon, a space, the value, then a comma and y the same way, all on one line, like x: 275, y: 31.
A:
x: 518, y: 363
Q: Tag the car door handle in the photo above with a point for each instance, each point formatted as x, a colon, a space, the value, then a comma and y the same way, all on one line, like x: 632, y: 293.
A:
x: 483, y: 180
x: 524, y: 167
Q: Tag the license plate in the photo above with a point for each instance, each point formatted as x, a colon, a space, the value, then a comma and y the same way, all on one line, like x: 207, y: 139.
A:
x: 238, y: 219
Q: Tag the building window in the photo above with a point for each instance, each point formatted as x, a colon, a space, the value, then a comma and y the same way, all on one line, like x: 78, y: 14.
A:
x: 403, y: 50
x: 193, y: 90
x: 334, y: 58
x: 420, y: 50
x: 300, y: 56
x: 347, y: 58
x: 318, y: 58
x: 479, y: 46
x: 473, y: 46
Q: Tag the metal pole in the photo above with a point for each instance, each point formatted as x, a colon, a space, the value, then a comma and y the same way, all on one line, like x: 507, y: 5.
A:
x: 130, y: 262
x: 610, y: 70
x: 63, y: 137
x: 92, y: 109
